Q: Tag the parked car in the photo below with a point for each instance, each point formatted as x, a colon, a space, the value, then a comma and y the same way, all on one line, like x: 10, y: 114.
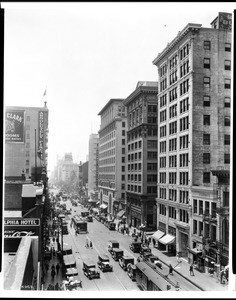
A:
x: 135, y: 246
x: 125, y: 260
x: 144, y: 248
x: 104, y: 263
x: 131, y: 271
x: 112, y: 226
x: 89, y: 269
x: 117, y: 253
x: 89, y: 218
x: 112, y: 244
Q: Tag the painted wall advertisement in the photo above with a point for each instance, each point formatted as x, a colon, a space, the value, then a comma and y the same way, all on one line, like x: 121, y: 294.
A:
x: 14, y: 126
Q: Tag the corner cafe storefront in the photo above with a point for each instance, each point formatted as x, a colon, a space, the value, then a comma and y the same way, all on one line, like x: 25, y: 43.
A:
x: 16, y: 232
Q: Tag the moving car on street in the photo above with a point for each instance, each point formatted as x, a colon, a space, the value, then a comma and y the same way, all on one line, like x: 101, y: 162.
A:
x: 111, y: 245
x: 125, y: 260
x: 117, y: 253
x: 104, y: 263
x: 135, y: 246
x: 89, y: 269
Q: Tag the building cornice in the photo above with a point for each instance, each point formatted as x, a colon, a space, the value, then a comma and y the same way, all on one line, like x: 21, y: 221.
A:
x: 141, y: 90
x: 110, y: 102
x: 189, y: 27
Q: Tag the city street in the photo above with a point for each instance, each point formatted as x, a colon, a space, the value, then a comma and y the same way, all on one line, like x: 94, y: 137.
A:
x: 118, y: 280
x: 99, y: 235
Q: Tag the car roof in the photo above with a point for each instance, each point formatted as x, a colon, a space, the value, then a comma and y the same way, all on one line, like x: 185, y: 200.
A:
x: 104, y: 256
x: 89, y: 262
x: 117, y: 250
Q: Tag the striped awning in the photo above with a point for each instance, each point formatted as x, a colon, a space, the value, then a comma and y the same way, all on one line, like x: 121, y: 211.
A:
x: 167, y: 239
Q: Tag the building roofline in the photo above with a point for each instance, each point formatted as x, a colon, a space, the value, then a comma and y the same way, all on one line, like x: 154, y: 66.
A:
x: 109, y: 103
x: 181, y: 34
x: 141, y: 89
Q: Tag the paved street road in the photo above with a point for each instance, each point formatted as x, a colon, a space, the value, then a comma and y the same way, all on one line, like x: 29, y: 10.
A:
x: 118, y: 280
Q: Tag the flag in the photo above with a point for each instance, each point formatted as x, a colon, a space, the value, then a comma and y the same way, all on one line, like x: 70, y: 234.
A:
x: 45, y: 92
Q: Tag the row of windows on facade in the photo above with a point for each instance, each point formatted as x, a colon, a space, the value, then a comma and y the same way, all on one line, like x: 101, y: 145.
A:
x: 184, y: 160
x: 183, y: 53
x: 184, y: 124
x: 183, y: 215
x: 184, y: 141
x: 138, y: 189
x: 185, y: 69
x: 184, y: 86
x: 184, y: 103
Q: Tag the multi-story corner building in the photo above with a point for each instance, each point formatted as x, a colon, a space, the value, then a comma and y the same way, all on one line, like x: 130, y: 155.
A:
x: 93, y: 163
x: 66, y: 167
x: 193, y: 135
x: 112, y: 146
x: 141, y: 188
x: 26, y: 141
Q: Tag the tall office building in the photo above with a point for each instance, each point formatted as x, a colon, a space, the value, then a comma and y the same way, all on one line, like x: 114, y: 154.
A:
x: 193, y: 139
x: 26, y: 141
x: 93, y: 163
x: 112, y: 144
x: 141, y: 155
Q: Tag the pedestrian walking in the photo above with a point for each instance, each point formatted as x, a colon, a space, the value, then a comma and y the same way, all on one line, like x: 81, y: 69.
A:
x: 91, y: 244
x: 57, y: 288
x: 46, y: 266
x: 53, y: 273
x: 222, y: 275
x: 58, y: 268
x: 52, y: 267
x: 170, y: 270
x: 191, y: 270
x: 154, y: 243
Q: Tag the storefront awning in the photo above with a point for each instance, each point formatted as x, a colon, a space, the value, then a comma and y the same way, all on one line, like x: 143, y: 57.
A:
x: 167, y: 239
x: 92, y: 201
x: 103, y: 206
x: 195, y: 251
x: 28, y: 191
x: 120, y: 213
x: 158, y: 234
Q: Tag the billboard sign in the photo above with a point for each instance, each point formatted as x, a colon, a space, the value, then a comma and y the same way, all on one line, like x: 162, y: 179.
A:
x: 14, y: 126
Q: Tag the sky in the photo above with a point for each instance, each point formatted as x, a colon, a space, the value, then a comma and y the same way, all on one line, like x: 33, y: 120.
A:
x: 84, y: 54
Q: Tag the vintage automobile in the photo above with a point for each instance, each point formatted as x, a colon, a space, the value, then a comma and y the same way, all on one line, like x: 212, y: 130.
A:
x: 135, y: 246
x: 117, y: 253
x: 112, y: 226
x: 144, y: 249
x: 89, y: 218
x: 125, y: 260
x: 112, y: 244
x: 89, y: 269
x: 131, y: 271
x: 104, y: 263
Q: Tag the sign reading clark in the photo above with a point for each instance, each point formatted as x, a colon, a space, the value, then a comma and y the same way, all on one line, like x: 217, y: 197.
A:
x: 14, y: 126
x: 21, y: 222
